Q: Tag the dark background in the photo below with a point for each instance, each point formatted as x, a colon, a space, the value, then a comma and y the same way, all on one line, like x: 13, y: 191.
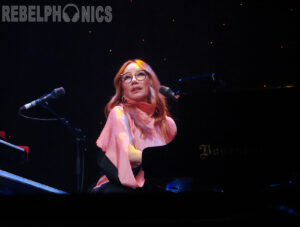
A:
x: 247, y: 44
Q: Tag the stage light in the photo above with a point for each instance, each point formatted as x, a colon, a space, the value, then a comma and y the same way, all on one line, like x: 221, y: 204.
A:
x: 211, y: 43
x: 289, y: 86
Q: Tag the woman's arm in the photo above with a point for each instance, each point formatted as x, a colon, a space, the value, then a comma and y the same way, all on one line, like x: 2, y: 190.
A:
x: 134, y: 155
x: 114, y: 140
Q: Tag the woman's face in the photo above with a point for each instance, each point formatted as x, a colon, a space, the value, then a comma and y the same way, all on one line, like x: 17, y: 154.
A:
x: 135, y: 83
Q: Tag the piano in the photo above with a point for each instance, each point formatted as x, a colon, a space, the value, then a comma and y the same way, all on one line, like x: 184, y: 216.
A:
x: 11, y: 153
x: 14, y: 184
x: 228, y: 139
x: 12, y: 156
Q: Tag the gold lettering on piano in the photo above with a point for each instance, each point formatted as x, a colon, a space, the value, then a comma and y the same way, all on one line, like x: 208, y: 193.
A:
x: 227, y: 150
x: 205, y: 151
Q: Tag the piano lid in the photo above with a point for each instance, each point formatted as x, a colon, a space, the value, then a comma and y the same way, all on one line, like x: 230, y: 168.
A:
x: 246, y: 115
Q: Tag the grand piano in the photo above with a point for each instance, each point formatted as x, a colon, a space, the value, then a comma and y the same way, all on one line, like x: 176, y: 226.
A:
x: 228, y: 139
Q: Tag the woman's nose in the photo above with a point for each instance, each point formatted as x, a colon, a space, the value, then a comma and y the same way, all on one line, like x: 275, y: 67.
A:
x: 133, y: 79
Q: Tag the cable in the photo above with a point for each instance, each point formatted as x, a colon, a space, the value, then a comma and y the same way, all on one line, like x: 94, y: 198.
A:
x: 80, y: 138
x: 35, y: 118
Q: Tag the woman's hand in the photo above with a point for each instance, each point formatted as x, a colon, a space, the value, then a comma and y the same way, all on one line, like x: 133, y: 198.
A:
x: 134, y: 155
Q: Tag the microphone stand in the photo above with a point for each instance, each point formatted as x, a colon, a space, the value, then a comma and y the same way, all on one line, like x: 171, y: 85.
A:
x: 80, y: 146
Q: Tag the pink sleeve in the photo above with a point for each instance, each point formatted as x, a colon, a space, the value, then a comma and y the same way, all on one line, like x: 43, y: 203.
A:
x: 114, y: 140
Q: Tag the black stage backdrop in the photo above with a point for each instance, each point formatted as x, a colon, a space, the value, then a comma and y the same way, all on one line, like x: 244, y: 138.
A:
x: 247, y: 44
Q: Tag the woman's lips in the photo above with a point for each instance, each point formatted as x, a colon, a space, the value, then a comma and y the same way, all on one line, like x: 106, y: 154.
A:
x: 135, y: 90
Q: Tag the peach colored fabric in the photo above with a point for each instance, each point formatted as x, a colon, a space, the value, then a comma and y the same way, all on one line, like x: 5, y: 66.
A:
x: 120, y: 131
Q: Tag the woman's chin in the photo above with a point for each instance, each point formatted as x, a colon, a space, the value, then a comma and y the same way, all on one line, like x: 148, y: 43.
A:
x: 138, y: 98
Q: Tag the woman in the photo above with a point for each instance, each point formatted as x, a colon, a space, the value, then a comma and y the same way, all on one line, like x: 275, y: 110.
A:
x: 138, y: 117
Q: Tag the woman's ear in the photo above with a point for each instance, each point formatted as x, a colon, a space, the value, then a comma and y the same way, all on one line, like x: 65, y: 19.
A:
x: 123, y: 99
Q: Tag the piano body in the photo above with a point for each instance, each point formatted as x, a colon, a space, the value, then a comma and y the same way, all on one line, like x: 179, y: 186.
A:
x: 228, y: 139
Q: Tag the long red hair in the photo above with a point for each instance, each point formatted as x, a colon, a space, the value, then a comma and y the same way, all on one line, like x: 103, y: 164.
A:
x: 155, y: 98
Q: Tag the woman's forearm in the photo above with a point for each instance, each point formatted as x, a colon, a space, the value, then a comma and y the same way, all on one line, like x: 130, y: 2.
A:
x: 135, y: 155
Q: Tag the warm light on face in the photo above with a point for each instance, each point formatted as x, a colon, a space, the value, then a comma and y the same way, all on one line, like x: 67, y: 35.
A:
x: 136, y: 89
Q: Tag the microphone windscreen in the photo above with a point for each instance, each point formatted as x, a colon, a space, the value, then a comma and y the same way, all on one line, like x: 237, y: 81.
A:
x: 166, y: 91
x: 58, y: 92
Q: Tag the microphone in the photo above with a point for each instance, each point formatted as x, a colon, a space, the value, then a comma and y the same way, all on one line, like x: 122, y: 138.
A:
x: 55, y: 94
x: 167, y: 92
